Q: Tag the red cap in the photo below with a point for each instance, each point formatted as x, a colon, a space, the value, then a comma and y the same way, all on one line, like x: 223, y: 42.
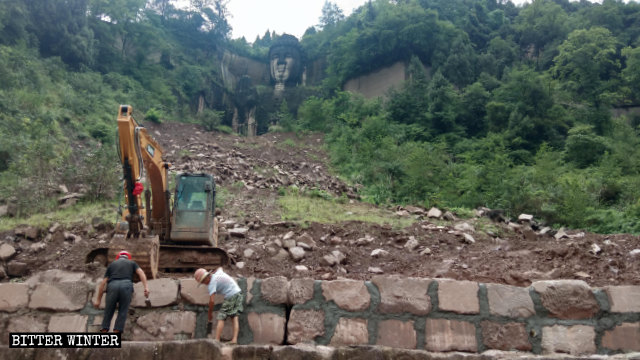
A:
x: 126, y: 253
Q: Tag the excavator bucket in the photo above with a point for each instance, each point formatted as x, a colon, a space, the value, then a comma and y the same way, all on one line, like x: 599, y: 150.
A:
x: 144, y: 251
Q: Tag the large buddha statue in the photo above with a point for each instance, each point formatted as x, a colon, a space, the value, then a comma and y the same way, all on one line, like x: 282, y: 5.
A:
x: 285, y: 63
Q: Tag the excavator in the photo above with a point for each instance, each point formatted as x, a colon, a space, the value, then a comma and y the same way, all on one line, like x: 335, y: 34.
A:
x: 181, y: 237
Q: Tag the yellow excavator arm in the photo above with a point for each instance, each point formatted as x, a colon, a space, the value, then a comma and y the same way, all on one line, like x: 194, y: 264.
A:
x: 139, y: 152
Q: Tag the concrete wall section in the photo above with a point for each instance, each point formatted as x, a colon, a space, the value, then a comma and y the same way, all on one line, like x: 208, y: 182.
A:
x: 565, y: 317
x: 378, y: 83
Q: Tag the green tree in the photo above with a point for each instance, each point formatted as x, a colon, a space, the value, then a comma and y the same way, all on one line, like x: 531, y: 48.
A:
x: 123, y: 15
x: 583, y: 146
x: 443, y: 102
x: 13, y: 22
x: 540, y: 24
x: 62, y: 30
x: 472, y: 114
x: 331, y: 15
x: 631, y: 72
x: 588, y: 67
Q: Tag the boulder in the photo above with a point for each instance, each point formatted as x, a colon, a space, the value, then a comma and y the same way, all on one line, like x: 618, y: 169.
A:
x: 297, y: 253
x: 6, y: 252
x: 17, y: 268
x: 434, y: 213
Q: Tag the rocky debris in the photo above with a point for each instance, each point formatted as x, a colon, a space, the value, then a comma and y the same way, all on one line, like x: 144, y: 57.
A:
x: 248, y: 253
x: 434, y: 213
x: 253, y: 170
x: 17, y: 268
x: 379, y: 253
x: 336, y: 257
x: 69, y: 200
x: 238, y: 232
x: 412, y: 243
x: 448, y: 215
x: 306, y: 241
x: 297, y: 253
x: 468, y: 239
x: 27, y: 232
x: 364, y: 241
x: 6, y: 252
x: 522, y: 218
x: 561, y: 234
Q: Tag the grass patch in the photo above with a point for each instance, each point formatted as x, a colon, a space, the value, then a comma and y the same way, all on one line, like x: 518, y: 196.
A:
x: 287, y: 144
x: 80, y: 214
x: 305, y: 209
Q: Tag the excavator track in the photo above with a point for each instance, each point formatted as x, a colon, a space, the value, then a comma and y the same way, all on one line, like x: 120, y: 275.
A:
x: 144, y: 251
x: 177, y: 258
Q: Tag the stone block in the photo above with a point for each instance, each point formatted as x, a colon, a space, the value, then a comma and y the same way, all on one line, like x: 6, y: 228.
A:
x: 68, y: 323
x: 94, y: 297
x: 397, y: 334
x: 458, y: 296
x: 250, y: 282
x: 267, y: 328
x: 25, y: 323
x: 624, y: 337
x: 64, y: 296
x: 624, y: 299
x: 305, y: 325
x: 403, y: 295
x: 509, y: 301
x: 13, y: 297
x: 302, y: 351
x: 164, y: 326
x: 186, y: 349
x: 574, y: 340
x: 194, y: 294
x: 300, y: 290
x: 227, y: 329
x: 275, y: 289
x: 162, y: 292
x: 350, y: 332
x: 450, y: 335
x: 55, y: 276
x: 250, y: 352
x: 350, y: 295
x: 567, y: 299
x: 507, y: 337
x: 96, y: 324
x: 364, y: 352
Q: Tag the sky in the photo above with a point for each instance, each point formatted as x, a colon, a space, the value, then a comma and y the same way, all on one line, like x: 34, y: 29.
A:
x: 251, y: 18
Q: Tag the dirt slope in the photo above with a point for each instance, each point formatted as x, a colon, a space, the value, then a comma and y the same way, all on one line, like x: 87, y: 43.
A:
x: 249, y: 173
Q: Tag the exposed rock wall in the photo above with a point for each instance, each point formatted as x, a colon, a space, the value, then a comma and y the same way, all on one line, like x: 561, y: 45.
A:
x: 233, y: 67
x: 436, y: 315
x: 377, y: 83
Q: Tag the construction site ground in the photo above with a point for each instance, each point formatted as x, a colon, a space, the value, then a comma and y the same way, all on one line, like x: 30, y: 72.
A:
x: 253, y: 174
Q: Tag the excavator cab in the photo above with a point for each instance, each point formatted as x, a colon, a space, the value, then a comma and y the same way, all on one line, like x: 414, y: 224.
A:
x: 193, y: 220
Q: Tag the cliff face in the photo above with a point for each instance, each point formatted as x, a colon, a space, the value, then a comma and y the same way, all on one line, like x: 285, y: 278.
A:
x: 377, y: 83
x: 233, y: 67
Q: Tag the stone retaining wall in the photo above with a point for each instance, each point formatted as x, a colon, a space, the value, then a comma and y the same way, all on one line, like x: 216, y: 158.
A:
x: 436, y: 315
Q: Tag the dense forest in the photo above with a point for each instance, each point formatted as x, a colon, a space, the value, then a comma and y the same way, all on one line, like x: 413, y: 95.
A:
x: 522, y: 108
